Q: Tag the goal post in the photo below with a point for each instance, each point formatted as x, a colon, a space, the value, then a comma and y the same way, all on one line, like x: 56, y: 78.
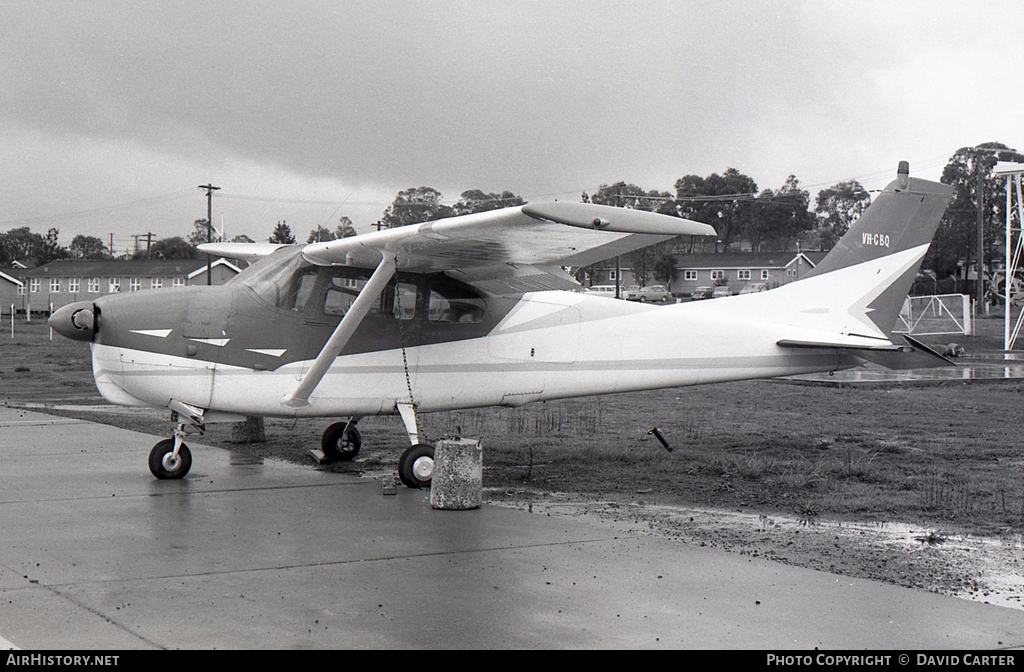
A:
x: 934, y: 315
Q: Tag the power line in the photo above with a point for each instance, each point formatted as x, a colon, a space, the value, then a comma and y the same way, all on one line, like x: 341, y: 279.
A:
x: 296, y: 201
x: 102, y: 210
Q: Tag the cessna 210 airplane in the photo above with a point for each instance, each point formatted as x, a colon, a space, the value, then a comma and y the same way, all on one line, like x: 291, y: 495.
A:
x: 476, y: 311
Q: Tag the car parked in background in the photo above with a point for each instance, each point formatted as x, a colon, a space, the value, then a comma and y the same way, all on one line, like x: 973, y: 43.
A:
x: 649, y: 294
x: 720, y: 292
x: 701, y: 293
x: 602, y: 290
x: 754, y: 287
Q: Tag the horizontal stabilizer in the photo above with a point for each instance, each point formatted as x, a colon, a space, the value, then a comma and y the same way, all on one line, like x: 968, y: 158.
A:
x: 913, y: 355
x: 919, y: 346
x: 838, y: 345
x: 246, y: 251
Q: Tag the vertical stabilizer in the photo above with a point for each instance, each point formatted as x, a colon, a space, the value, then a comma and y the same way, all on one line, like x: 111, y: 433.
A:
x: 900, y: 222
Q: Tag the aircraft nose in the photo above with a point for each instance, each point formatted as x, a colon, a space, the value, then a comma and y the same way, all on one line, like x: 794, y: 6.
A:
x: 75, y: 321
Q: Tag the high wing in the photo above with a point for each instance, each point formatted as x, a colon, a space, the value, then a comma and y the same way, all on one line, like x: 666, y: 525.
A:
x: 564, y: 234
x: 517, y: 249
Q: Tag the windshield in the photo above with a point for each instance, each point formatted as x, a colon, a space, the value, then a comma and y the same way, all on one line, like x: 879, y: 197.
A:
x: 283, y: 279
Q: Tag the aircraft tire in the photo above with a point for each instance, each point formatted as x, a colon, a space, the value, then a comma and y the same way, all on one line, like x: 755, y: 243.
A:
x: 156, y: 460
x: 339, y: 445
x: 416, y: 466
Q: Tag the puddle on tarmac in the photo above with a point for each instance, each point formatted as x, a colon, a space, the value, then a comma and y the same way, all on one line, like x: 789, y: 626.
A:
x: 994, y: 366
x: 237, y: 459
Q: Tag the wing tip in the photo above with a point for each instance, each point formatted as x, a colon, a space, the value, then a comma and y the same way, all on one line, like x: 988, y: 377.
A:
x: 616, y: 220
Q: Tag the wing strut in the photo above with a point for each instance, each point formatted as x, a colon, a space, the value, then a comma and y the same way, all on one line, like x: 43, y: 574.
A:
x: 360, y: 307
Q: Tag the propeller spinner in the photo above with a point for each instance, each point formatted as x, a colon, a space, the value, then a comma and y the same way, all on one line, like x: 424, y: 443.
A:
x: 75, y: 321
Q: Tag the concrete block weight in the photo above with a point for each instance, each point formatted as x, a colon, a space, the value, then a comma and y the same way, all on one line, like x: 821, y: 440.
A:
x: 457, y: 481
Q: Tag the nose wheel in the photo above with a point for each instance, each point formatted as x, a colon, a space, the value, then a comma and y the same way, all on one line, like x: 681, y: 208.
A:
x: 167, y: 463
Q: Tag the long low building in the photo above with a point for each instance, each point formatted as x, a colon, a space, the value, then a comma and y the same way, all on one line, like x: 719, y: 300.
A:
x: 736, y: 269
x: 730, y: 269
x: 65, y: 281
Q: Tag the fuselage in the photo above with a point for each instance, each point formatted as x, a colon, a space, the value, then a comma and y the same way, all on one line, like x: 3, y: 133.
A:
x: 430, y: 342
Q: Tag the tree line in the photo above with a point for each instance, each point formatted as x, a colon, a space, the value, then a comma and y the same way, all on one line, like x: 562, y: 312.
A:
x: 763, y: 219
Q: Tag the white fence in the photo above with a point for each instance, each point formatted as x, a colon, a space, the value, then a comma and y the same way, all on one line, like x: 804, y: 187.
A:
x: 931, y: 315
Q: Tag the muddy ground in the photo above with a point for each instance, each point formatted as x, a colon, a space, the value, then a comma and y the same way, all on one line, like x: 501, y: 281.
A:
x: 919, y: 485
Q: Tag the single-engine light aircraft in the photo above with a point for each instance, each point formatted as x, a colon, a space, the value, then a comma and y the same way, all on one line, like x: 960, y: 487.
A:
x: 476, y: 310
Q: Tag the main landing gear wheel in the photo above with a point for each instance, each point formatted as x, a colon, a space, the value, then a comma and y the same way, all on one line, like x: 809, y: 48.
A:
x: 416, y: 466
x: 339, y: 444
x: 164, y: 465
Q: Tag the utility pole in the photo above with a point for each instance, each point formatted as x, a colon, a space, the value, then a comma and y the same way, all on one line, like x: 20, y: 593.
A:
x: 979, y: 287
x: 149, y: 242
x: 209, y: 228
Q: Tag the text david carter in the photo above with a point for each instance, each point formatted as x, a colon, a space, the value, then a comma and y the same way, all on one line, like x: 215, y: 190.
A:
x: 903, y: 659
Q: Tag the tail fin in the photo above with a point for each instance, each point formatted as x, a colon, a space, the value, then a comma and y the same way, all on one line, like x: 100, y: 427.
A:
x: 899, y: 223
x: 904, y: 216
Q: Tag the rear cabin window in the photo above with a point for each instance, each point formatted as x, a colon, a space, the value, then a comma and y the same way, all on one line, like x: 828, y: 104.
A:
x: 453, y: 303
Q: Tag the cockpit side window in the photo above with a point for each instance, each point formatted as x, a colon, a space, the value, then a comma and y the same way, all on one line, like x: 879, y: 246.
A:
x: 397, y: 299
x: 298, y: 292
x: 342, y: 292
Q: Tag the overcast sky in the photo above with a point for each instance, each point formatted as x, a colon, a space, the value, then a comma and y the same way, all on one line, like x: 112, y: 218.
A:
x: 113, y: 113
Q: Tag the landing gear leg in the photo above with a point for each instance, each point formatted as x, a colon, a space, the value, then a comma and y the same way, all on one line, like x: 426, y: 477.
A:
x: 416, y: 465
x: 171, y: 458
